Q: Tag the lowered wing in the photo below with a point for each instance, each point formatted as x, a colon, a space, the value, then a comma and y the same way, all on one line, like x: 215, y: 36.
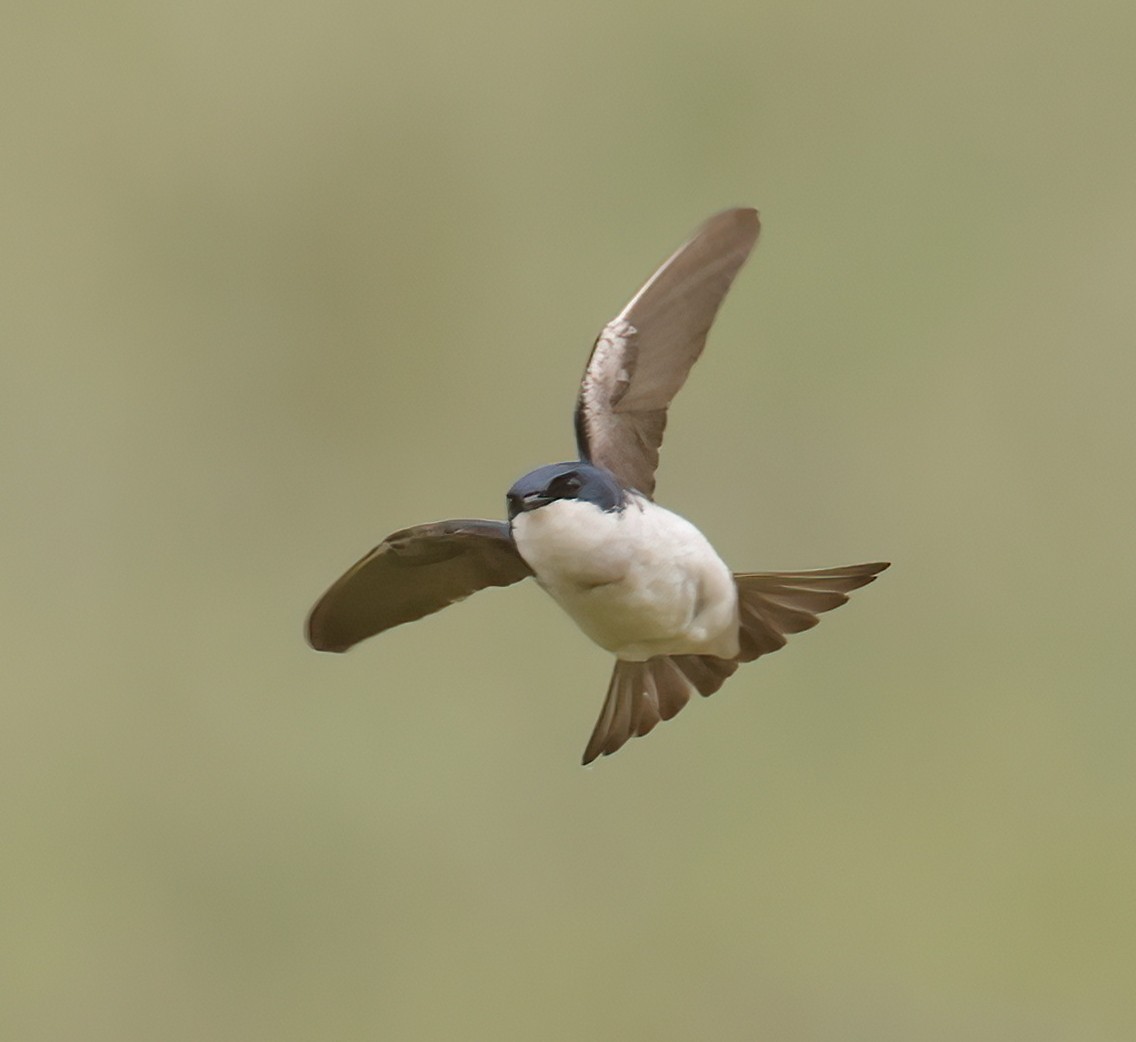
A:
x: 413, y: 573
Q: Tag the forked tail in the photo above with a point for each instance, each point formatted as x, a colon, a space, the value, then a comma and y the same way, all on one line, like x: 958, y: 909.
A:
x: 771, y: 605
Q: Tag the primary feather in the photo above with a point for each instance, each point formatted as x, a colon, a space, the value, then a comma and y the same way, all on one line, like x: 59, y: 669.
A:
x: 643, y: 356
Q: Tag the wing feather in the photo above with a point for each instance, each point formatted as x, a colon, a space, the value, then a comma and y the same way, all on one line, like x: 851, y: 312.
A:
x: 643, y: 356
x: 413, y: 573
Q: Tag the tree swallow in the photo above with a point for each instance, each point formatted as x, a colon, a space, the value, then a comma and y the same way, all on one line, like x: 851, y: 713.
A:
x: 641, y: 582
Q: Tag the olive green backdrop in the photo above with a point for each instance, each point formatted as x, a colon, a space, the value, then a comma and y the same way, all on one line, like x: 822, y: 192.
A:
x: 278, y: 279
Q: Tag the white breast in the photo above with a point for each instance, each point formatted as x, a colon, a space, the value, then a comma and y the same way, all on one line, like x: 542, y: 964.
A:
x: 640, y: 581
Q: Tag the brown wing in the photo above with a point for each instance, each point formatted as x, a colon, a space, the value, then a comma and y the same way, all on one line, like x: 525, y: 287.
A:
x: 413, y: 573
x: 644, y: 354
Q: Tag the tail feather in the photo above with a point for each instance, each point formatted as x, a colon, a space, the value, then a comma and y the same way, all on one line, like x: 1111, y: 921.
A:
x: 642, y: 694
x: 705, y: 672
x: 770, y: 606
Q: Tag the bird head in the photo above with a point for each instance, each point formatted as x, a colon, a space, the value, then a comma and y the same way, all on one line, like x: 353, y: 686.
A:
x: 560, y: 481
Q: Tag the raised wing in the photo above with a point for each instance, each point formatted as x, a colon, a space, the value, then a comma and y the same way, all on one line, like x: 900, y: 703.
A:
x: 413, y: 573
x: 643, y: 356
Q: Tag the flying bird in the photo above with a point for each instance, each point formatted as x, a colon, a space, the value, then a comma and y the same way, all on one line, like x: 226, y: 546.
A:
x: 640, y: 581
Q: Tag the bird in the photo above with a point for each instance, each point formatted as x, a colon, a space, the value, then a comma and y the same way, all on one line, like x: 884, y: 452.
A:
x: 642, y: 582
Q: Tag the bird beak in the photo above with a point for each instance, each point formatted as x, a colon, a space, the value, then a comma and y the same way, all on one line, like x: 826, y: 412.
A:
x: 520, y: 504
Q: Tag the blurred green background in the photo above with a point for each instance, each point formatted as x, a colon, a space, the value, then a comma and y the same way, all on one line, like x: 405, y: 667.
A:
x: 281, y: 278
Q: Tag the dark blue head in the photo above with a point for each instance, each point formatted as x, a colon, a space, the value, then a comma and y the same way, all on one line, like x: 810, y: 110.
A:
x: 575, y: 480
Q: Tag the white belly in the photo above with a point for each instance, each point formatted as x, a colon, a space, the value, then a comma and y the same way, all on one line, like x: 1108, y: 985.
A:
x: 640, y: 582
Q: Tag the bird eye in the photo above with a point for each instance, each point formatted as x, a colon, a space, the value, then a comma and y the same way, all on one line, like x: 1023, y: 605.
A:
x: 567, y: 483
